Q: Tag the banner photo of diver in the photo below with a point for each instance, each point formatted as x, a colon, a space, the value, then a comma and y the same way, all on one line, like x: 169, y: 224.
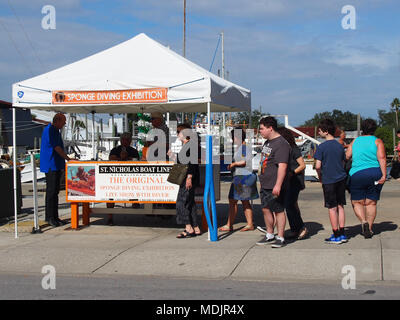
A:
x: 81, y: 182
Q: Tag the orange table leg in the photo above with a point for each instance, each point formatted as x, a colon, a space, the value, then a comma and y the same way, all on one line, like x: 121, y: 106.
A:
x: 85, y: 214
x: 74, y: 215
x: 204, y: 224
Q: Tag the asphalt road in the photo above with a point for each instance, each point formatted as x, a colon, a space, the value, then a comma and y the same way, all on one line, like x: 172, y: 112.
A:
x: 28, y: 287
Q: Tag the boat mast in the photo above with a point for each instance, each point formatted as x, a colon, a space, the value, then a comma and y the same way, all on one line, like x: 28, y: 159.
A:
x: 184, y: 42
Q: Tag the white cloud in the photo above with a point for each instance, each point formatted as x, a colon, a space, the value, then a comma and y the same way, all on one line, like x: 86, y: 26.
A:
x: 381, y: 58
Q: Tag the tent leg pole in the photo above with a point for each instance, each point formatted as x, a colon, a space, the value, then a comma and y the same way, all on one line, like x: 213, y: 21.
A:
x: 15, y: 172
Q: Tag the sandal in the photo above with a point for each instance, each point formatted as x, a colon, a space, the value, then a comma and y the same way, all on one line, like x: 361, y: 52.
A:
x: 186, y: 234
x: 225, y: 228
x: 303, y: 233
x: 247, y: 228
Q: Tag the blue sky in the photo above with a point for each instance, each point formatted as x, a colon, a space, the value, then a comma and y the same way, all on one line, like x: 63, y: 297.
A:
x: 294, y: 55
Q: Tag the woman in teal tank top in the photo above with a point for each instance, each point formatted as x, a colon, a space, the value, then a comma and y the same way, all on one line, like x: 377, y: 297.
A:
x: 367, y: 175
x: 364, y: 150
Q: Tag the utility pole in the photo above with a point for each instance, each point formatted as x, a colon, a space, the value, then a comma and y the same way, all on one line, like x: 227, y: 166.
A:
x: 223, y: 57
x: 223, y: 77
x: 184, y: 28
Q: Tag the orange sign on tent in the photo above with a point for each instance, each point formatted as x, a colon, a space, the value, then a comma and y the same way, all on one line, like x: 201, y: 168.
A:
x: 110, y: 96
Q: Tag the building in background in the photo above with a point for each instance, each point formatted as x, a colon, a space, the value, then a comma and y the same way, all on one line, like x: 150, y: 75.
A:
x: 28, y: 132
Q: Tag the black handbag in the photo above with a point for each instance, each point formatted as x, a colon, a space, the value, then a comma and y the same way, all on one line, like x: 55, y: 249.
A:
x: 395, y: 171
x: 178, y: 173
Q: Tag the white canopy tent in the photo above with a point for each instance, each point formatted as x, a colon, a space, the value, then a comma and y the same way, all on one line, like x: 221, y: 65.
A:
x: 137, y: 65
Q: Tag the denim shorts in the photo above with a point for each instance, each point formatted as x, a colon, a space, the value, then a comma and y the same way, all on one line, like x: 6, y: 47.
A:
x: 362, y: 184
x: 244, y: 187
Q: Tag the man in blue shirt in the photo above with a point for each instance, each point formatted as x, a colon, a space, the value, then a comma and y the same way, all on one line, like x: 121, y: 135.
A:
x: 52, y: 163
x: 329, y: 165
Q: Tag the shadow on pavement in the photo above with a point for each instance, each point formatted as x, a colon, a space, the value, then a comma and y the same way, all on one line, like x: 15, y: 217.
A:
x: 378, y: 228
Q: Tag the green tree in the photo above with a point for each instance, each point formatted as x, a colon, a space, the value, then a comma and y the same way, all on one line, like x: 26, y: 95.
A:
x: 345, y: 120
x: 395, y: 106
x: 386, y: 118
x: 386, y: 135
x: 256, y: 115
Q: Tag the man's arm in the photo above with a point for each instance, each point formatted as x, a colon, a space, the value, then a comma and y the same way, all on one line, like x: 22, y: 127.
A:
x: 62, y: 154
x: 282, y: 167
x: 318, y: 165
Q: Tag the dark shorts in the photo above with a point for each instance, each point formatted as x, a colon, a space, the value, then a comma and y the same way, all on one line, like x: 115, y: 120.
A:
x: 268, y: 200
x: 334, y: 194
x: 362, y: 184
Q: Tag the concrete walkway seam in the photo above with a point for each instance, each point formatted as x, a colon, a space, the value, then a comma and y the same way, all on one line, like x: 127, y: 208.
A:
x: 117, y: 255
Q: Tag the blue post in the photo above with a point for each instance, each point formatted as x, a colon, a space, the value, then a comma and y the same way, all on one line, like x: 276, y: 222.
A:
x: 209, y: 192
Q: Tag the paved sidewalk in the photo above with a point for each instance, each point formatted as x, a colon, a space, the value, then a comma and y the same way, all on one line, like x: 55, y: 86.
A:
x: 146, y: 245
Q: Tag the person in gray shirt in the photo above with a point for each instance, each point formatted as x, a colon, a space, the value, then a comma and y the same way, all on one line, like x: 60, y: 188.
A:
x: 274, y: 164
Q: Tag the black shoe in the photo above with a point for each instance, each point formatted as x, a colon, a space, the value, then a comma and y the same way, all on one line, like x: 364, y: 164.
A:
x: 303, y: 233
x: 279, y: 243
x: 366, y: 232
x: 265, y: 240
x: 110, y: 221
x: 61, y: 222
x: 54, y: 223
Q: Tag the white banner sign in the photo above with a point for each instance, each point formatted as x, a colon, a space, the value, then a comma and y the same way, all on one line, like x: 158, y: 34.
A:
x: 120, y: 181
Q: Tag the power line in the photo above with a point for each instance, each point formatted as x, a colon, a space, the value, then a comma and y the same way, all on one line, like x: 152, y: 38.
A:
x: 215, y: 52
x: 26, y: 35
x: 16, y: 48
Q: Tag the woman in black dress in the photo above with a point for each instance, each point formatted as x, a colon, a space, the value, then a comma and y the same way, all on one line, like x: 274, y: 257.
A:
x: 295, y: 183
x: 186, y: 212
